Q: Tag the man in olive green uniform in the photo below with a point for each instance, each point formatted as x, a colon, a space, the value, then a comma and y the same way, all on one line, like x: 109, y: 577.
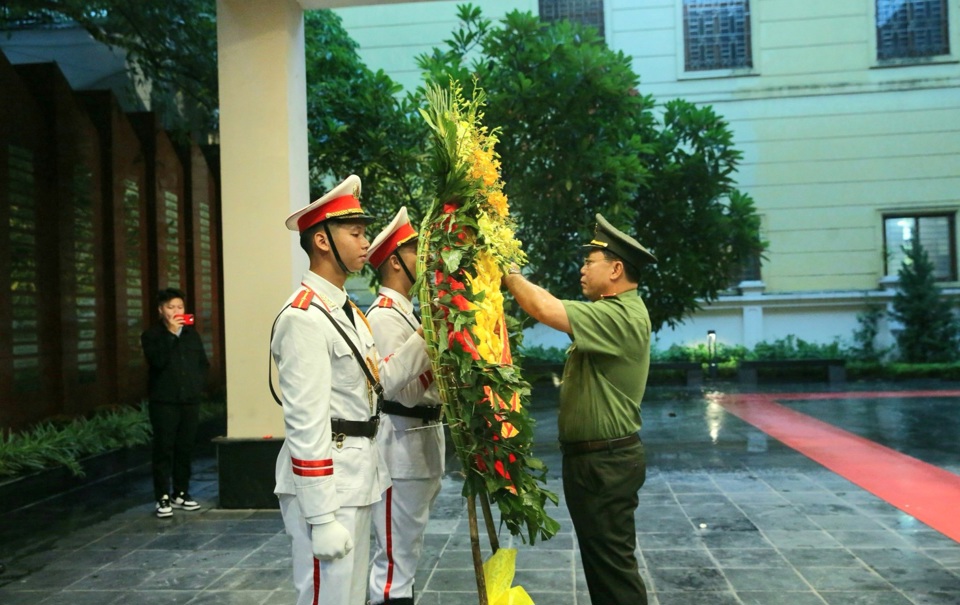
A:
x: 603, y: 383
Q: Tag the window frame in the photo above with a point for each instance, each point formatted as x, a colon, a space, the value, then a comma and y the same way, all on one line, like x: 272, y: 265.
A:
x: 602, y: 30
x: 953, y: 29
x: 951, y: 217
x: 681, y: 48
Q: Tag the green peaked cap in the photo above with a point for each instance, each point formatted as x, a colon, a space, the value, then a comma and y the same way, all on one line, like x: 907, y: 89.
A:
x: 609, y: 238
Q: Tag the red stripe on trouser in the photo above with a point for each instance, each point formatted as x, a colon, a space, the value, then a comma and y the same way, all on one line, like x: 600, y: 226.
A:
x: 316, y: 581
x: 928, y: 493
x: 389, y: 532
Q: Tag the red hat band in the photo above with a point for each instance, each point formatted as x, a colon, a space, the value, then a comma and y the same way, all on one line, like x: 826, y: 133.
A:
x: 402, y: 235
x: 342, y: 206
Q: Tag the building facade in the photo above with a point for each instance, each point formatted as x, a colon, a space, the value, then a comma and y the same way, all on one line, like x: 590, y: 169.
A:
x: 846, y: 113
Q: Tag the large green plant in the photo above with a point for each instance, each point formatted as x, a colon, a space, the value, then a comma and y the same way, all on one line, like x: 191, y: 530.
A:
x: 358, y: 124
x: 791, y: 347
x: 865, y: 336
x: 64, y: 443
x: 930, y: 330
x: 49, y: 445
x: 578, y: 138
x: 171, y: 44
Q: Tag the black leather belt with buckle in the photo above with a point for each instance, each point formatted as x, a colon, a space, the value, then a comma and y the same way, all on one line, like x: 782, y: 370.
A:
x: 603, y: 445
x: 354, y: 428
x: 423, y: 412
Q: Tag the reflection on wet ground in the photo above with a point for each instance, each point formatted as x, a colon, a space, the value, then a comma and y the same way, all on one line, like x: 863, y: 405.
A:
x: 729, y: 515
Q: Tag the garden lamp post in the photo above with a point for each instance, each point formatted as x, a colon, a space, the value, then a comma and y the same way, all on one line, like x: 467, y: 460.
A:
x: 712, y: 353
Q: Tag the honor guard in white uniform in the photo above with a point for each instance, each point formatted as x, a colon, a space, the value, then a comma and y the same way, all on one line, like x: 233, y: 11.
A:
x: 411, y: 435
x: 330, y: 469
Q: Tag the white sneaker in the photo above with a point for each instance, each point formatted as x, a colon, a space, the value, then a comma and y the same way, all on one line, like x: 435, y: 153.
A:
x: 184, y: 501
x: 163, y: 507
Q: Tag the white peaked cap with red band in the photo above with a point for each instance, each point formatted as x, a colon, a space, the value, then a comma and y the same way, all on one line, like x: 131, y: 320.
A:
x: 340, y: 203
x: 396, y: 234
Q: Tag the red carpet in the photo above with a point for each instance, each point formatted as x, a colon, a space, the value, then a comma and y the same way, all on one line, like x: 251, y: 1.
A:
x: 926, y: 492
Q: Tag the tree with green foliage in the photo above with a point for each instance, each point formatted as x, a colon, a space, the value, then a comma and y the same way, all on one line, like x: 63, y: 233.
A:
x: 578, y: 138
x: 865, y: 336
x: 172, y: 44
x: 930, y: 331
x: 356, y: 123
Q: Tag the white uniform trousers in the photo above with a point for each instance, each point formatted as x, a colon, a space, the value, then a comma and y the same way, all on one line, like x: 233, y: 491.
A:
x: 338, y: 582
x: 399, y: 520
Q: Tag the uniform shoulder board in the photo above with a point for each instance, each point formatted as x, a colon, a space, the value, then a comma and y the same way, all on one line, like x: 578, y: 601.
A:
x: 385, y: 302
x: 302, y: 299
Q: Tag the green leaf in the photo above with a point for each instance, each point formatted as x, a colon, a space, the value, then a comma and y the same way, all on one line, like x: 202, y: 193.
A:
x: 451, y: 259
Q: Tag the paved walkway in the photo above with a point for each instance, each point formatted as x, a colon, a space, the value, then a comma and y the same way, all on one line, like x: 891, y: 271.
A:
x: 729, y: 516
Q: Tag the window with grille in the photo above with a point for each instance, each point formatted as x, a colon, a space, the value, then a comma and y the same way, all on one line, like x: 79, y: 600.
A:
x: 587, y: 12
x: 912, y: 28
x: 935, y: 232
x: 749, y: 269
x: 716, y: 35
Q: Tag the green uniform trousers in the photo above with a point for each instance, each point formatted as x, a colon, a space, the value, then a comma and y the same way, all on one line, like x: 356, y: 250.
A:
x: 601, y: 489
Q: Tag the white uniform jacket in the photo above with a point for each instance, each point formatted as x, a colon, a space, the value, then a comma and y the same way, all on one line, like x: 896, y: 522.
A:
x: 413, y: 450
x: 320, y: 378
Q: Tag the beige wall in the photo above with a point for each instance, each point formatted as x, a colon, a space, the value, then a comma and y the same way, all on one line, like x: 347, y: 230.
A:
x: 831, y: 140
x: 391, y: 37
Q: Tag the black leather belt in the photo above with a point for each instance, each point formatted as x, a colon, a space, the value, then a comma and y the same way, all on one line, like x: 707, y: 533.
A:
x: 354, y: 428
x: 604, y: 445
x: 423, y: 412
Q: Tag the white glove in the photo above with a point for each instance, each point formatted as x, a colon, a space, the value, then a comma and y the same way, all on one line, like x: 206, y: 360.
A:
x: 331, y: 541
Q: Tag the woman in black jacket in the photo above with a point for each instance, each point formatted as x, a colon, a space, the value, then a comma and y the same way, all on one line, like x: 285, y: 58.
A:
x: 178, y: 366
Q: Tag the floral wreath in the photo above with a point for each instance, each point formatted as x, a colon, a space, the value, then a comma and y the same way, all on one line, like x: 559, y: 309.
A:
x: 466, y: 239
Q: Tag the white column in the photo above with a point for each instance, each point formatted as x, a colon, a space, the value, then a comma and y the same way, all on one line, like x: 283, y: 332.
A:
x: 752, y: 325
x: 263, y: 154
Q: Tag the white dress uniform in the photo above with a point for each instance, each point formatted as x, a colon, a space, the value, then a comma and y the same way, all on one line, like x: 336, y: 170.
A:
x: 318, y: 478
x: 414, y: 451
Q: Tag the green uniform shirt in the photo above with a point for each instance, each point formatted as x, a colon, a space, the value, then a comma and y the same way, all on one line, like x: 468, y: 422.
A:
x: 606, y: 370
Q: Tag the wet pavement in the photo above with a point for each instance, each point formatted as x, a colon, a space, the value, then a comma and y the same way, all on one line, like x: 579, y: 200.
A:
x: 728, y: 515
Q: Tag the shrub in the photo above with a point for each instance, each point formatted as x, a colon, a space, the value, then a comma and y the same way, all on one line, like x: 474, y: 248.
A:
x: 698, y: 352
x: 792, y: 347
x: 864, y: 337
x: 540, y: 354
x: 930, y: 330
x: 63, y: 442
x: 52, y: 444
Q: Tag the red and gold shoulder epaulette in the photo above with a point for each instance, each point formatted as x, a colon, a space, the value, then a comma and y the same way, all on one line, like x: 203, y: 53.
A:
x: 302, y: 299
x: 385, y: 302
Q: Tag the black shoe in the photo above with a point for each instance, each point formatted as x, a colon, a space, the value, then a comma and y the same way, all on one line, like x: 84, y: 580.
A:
x: 163, y: 507
x: 184, y: 501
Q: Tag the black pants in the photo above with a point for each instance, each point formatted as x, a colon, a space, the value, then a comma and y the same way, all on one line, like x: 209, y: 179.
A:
x: 601, y: 490
x: 174, y: 435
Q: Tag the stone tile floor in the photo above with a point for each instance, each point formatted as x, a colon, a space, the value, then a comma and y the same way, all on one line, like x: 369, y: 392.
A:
x: 728, y: 516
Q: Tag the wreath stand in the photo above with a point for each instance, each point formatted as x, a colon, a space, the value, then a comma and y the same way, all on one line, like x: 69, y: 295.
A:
x: 443, y: 382
x: 475, y: 540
